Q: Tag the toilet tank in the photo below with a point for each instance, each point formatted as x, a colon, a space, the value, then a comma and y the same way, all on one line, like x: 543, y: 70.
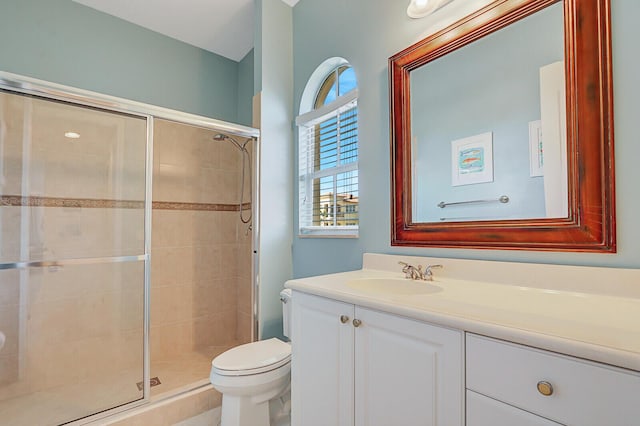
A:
x: 285, y: 297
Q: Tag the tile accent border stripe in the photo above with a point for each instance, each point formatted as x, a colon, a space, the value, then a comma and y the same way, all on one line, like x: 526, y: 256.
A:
x: 35, y: 201
x: 170, y: 205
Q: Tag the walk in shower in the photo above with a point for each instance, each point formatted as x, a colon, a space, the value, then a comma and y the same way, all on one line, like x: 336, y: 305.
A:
x: 125, y: 265
x: 201, y: 266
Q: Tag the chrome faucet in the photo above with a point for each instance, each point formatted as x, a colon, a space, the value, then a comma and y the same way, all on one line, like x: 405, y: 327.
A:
x: 411, y: 272
x: 416, y: 273
x: 428, y: 274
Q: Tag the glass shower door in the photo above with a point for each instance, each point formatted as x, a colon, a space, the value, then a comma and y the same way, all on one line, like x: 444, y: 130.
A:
x: 72, y: 260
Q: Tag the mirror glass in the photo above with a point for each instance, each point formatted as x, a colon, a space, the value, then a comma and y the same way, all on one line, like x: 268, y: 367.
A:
x: 488, y: 128
x: 502, y: 131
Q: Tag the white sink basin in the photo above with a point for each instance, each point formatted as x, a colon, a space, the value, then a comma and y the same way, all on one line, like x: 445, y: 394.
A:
x: 393, y: 286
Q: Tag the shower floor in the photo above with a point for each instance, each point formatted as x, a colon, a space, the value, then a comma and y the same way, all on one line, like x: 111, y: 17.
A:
x: 50, y: 406
x: 185, y: 370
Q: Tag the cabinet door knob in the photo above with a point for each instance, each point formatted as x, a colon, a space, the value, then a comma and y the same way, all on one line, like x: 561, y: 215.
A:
x: 344, y: 319
x: 357, y: 322
x: 545, y: 388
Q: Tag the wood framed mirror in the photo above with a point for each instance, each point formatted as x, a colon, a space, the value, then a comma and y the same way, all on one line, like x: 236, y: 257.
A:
x: 586, y: 221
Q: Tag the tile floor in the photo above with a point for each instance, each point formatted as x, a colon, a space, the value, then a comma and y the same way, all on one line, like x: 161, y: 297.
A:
x: 61, y: 404
x: 208, y: 418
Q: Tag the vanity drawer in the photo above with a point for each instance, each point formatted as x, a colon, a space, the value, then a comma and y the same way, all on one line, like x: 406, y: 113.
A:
x: 484, y: 411
x: 582, y: 393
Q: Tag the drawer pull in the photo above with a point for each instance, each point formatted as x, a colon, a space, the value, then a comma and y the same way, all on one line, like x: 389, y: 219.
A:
x: 545, y: 388
x: 344, y: 319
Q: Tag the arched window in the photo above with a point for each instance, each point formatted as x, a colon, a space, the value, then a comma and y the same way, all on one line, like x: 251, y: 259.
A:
x: 340, y: 82
x: 328, y: 152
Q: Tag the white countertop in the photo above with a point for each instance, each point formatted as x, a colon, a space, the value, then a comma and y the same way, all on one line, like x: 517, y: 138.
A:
x: 601, y: 324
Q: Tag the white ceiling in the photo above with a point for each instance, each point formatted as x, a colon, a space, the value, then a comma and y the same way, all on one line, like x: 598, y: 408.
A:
x: 224, y: 27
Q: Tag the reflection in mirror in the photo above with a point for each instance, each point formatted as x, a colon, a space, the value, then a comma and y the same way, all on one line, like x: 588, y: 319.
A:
x: 526, y: 164
x: 500, y: 98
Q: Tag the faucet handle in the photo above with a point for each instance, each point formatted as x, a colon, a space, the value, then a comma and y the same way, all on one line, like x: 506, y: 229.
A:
x: 406, y: 269
x: 428, y: 274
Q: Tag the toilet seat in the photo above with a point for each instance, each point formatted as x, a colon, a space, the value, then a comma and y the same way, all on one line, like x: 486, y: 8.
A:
x: 252, y: 358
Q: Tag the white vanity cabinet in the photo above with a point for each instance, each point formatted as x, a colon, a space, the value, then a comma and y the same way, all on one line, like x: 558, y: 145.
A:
x: 485, y: 411
x: 545, y: 387
x: 322, y: 350
x: 357, y: 366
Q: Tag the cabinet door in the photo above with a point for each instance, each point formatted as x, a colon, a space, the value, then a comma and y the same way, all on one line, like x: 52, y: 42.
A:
x: 484, y: 411
x: 583, y: 393
x: 408, y: 373
x: 322, y: 362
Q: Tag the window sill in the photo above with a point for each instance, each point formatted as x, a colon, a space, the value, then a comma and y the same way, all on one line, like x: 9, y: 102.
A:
x: 328, y: 232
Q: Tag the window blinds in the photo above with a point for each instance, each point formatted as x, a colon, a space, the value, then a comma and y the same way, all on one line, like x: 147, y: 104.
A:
x: 328, y: 170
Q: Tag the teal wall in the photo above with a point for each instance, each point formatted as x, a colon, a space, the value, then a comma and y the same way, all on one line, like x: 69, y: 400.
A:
x: 245, y: 89
x: 67, y: 43
x: 257, y: 45
x: 367, y: 33
x: 274, y: 69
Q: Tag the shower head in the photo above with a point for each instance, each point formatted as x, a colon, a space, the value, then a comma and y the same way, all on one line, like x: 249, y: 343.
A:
x: 223, y: 137
x: 246, y: 159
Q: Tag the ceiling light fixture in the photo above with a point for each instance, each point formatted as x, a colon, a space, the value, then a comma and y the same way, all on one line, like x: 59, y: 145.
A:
x: 72, y: 135
x: 421, y: 8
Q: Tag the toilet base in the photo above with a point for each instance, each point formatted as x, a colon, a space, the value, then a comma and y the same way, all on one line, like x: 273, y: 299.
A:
x: 242, y: 411
x: 280, y: 409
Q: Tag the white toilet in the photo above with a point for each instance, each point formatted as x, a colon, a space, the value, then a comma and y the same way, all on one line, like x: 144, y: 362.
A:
x: 254, y: 379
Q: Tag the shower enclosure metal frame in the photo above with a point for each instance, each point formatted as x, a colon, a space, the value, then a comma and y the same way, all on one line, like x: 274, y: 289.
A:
x: 29, y: 86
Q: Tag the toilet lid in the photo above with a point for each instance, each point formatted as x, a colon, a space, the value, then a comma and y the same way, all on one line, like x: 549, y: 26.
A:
x: 252, y: 358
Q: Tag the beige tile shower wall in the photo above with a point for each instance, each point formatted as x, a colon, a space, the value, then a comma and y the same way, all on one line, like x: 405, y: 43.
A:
x: 9, y: 326
x: 244, y: 290
x: 245, y: 261
x: 198, y: 269
x: 89, y: 320
x: 82, y: 324
x: 190, y: 167
x: 106, y: 162
x: 10, y: 227
x: 70, y: 232
x: 73, y: 326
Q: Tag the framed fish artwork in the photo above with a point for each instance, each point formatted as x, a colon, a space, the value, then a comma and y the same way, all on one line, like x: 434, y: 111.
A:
x: 472, y: 160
